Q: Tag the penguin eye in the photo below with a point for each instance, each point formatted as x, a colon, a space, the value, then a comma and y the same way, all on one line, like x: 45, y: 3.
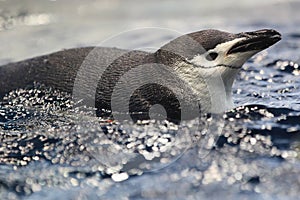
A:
x: 211, y: 56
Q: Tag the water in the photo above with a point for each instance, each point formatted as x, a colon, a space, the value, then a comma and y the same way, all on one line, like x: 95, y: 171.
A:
x: 51, y: 149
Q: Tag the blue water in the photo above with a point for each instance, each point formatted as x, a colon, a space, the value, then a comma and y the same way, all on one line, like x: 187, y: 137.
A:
x: 51, y: 149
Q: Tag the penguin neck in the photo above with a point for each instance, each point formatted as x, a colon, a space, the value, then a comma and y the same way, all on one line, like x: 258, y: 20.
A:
x: 228, y: 77
x: 211, y: 86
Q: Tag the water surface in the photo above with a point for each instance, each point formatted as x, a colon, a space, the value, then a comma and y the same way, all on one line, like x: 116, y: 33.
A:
x: 50, y: 149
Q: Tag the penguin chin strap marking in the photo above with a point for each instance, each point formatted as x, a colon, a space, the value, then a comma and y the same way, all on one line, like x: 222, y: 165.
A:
x: 210, y: 67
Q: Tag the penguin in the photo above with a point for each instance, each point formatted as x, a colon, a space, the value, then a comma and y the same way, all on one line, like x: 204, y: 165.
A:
x: 191, y: 74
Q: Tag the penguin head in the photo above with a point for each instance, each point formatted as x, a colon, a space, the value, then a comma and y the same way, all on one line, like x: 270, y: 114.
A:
x: 231, y: 50
x: 209, y: 60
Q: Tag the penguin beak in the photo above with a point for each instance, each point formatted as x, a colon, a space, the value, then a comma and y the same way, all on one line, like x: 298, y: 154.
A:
x: 255, y: 41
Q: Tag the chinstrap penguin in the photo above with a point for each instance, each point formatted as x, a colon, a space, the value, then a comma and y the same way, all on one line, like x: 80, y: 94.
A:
x: 197, y: 67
